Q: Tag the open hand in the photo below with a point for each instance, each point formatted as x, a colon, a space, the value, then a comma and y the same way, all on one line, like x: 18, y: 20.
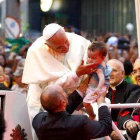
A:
x: 133, y: 127
x: 85, y: 69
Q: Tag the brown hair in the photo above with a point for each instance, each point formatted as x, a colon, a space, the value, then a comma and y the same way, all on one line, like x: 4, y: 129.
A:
x: 98, y: 46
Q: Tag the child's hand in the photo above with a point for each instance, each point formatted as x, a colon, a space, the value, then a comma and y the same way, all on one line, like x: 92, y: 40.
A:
x: 102, y: 96
x: 96, y: 92
x: 85, y: 69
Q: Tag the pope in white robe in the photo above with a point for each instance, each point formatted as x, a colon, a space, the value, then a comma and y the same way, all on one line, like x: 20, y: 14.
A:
x: 44, y: 66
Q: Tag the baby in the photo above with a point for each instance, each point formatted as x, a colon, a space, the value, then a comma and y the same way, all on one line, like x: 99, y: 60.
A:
x: 98, y: 80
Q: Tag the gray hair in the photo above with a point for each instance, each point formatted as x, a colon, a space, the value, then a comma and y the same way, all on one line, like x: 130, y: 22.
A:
x: 117, y: 62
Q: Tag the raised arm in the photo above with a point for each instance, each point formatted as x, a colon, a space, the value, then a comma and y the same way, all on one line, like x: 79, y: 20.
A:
x: 70, y: 79
x: 101, y: 78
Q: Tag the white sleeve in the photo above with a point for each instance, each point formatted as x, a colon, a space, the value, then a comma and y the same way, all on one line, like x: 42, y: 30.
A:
x: 69, y: 80
x: 125, y: 123
x: 102, y: 104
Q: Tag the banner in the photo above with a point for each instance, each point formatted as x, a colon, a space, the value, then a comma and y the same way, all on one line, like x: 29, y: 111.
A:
x: 16, y: 116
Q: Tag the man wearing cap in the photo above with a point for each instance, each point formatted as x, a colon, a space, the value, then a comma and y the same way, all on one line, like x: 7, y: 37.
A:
x: 55, y: 57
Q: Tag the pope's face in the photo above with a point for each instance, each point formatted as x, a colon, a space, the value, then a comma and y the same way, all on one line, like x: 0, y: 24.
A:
x: 59, y: 42
x: 136, y: 72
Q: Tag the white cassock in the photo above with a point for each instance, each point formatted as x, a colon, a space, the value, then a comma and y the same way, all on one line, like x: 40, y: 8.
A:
x: 44, y: 66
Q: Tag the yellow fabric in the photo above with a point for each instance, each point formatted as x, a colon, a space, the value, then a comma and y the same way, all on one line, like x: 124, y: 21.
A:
x: 133, y: 80
x: 6, y: 84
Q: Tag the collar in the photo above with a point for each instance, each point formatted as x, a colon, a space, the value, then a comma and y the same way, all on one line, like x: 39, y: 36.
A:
x: 116, y: 87
x: 121, y: 85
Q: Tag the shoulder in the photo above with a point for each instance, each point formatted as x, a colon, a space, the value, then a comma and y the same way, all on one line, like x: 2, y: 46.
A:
x: 39, y: 118
x: 37, y: 43
x: 132, y: 93
x: 132, y: 86
x: 100, y: 67
x: 76, y: 36
x: 77, y: 118
x: 41, y: 115
x: 3, y: 87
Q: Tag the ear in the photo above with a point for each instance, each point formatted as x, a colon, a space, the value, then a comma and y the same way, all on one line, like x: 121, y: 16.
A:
x: 123, y: 73
x: 48, y: 46
x: 46, y: 43
x: 63, y: 104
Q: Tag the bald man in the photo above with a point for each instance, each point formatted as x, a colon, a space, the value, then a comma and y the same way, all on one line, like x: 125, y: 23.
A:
x: 57, y: 124
x: 122, y: 92
x: 136, y: 71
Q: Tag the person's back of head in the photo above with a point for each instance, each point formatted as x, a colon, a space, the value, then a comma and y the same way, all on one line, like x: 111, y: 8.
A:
x: 53, y: 99
x: 112, y: 41
x: 123, y: 43
x: 128, y: 67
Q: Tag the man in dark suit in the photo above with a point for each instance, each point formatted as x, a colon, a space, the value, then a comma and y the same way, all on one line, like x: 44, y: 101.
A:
x: 57, y: 124
x: 122, y: 92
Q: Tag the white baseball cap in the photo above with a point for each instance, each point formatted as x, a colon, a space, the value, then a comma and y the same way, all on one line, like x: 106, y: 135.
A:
x: 113, y: 40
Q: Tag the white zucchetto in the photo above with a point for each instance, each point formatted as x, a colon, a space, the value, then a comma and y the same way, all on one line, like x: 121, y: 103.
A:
x: 50, y: 30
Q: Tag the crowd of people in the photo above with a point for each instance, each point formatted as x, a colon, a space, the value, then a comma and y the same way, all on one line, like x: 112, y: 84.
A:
x: 62, y: 71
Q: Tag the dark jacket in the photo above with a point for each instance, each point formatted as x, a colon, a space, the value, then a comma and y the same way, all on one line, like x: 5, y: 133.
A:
x: 125, y: 93
x: 63, y: 126
x: 3, y: 87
